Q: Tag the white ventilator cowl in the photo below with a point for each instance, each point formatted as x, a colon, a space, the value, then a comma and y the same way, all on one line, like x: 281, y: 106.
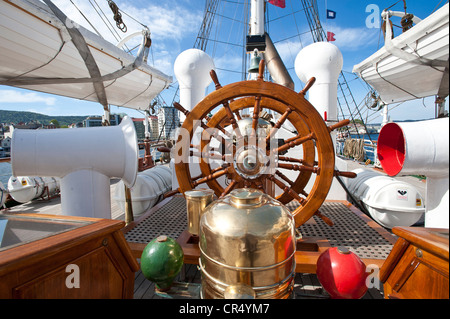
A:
x: 192, y: 69
x: 85, y: 159
x: 323, y: 61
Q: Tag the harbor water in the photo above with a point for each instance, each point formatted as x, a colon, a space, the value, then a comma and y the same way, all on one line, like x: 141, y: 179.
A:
x: 5, y: 173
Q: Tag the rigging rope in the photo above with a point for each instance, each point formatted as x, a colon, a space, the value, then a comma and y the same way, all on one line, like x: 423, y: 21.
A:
x: 82, y: 14
x: 105, y: 20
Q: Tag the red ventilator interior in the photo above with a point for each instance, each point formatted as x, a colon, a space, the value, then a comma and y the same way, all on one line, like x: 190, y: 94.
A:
x: 391, y: 148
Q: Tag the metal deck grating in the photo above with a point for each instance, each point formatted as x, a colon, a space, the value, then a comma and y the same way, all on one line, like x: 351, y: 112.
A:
x: 349, y: 230
x: 169, y: 220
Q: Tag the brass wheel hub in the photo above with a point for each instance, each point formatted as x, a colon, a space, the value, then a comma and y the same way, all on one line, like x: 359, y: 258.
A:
x: 250, y: 162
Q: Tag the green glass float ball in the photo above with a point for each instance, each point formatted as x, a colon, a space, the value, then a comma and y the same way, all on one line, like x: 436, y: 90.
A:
x: 161, y: 261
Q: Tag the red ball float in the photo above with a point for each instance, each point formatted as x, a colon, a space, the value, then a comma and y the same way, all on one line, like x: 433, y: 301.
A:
x: 342, y: 273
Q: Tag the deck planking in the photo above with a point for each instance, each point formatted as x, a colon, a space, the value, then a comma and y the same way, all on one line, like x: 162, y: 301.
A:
x: 307, y: 286
x: 52, y: 206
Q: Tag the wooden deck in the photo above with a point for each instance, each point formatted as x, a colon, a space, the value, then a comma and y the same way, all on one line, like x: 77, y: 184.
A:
x: 306, y: 286
x: 352, y: 229
x: 160, y: 221
x: 53, y: 206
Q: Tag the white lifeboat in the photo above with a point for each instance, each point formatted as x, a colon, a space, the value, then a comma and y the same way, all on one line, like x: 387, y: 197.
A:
x: 26, y: 188
x: 148, y: 190
x: 397, y: 71
x: 37, y: 52
x: 390, y: 202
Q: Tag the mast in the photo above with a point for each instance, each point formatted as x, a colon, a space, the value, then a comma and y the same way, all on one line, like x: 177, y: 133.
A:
x: 256, y: 40
x: 257, y: 17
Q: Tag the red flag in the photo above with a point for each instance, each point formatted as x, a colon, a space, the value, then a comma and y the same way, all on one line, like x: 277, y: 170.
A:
x: 278, y: 3
x: 330, y: 36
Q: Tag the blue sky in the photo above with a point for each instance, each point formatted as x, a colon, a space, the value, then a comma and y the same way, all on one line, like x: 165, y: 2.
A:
x: 175, y: 23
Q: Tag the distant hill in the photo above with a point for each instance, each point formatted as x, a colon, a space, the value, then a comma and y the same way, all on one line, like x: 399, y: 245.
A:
x: 15, y: 117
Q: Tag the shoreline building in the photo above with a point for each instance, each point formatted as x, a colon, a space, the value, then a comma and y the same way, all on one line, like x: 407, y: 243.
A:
x: 168, y: 121
x: 91, y: 121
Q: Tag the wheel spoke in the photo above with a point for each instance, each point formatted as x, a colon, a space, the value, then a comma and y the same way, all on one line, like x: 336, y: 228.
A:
x: 207, y: 155
x: 262, y: 65
x: 256, y: 110
x: 220, y: 128
x: 163, y: 149
x: 232, y: 120
x: 284, y: 177
x: 215, y: 79
x: 287, y: 189
x: 327, y: 221
x: 172, y: 192
x: 279, y: 123
x: 302, y: 168
x: 213, y: 171
x: 210, y: 177
x: 338, y: 125
x: 345, y: 174
x: 229, y: 188
x: 226, y: 105
x: 180, y: 108
x: 308, y: 85
x: 292, y: 138
x: 218, y: 137
x: 225, y: 132
x: 294, y: 160
x: 287, y: 180
x: 295, y: 142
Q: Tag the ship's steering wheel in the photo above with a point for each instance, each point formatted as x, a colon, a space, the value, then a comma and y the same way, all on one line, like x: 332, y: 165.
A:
x: 245, y: 163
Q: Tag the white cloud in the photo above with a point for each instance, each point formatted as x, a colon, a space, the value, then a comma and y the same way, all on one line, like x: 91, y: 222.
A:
x: 352, y: 39
x: 169, y: 22
x: 12, y: 96
x: 289, y: 49
x: 162, y: 62
x: 166, y: 20
x: 230, y: 62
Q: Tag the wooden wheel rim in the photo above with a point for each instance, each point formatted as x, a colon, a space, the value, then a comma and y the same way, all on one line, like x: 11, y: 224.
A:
x: 323, y: 142
x: 295, y: 119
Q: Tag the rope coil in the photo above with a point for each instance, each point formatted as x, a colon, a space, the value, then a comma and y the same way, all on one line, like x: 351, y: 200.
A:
x: 117, y: 16
x: 354, y: 148
x: 407, y: 22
